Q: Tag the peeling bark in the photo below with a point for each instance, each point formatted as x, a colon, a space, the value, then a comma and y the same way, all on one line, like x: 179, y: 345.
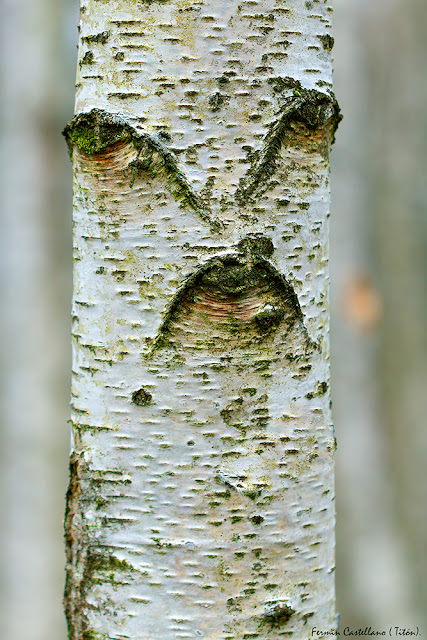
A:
x: 202, y: 501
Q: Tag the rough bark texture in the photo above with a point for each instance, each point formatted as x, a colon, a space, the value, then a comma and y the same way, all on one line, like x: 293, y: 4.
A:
x: 201, y: 495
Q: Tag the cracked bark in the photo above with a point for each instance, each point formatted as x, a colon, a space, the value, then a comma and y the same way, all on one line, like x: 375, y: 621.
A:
x: 201, y: 494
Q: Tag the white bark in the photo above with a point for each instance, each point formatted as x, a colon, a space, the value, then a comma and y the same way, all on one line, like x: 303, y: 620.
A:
x: 201, y: 495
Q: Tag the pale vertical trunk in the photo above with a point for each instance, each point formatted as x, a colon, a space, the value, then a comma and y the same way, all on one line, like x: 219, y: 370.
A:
x: 379, y: 355
x: 398, y: 96
x: 201, y: 494
x: 35, y: 286
x: 373, y: 577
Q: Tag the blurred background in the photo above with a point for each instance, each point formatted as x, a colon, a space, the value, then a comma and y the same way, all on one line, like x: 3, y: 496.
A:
x: 378, y: 307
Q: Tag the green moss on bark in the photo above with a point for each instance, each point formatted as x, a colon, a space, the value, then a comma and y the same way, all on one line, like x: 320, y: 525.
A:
x: 95, y: 131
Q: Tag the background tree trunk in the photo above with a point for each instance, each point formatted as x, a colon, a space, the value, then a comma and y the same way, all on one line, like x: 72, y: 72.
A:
x: 370, y: 545
x: 378, y: 238
x: 35, y: 286
x: 398, y: 195
x: 201, y: 492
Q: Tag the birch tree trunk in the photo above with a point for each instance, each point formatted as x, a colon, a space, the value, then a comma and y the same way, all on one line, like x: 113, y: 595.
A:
x: 201, y: 494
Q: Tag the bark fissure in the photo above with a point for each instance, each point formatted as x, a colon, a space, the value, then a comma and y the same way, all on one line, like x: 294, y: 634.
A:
x: 77, y: 551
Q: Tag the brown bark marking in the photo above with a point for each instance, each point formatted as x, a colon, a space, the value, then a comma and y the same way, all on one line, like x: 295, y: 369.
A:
x: 307, y: 120
x: 231, y: 302
x: 76, y: 546
x: 113, y: 151
x: 88, y: 563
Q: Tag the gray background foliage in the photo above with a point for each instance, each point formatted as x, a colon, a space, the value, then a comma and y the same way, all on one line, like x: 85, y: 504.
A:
x: 378, y: 308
